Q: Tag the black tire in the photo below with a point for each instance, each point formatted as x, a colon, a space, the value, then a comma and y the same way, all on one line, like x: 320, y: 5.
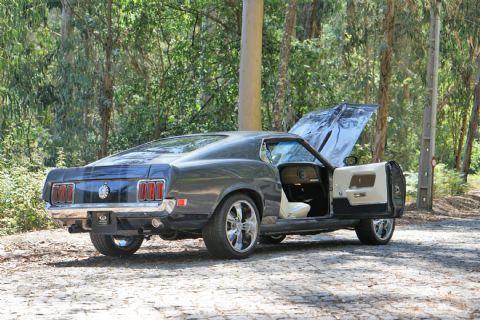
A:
x: 272, y: 239
x: 366, y: 233
x: 106, y: 245
x: 215, y: 234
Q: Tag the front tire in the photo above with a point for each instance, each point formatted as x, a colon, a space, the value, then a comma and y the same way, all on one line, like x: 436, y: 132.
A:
x: 116, y: 246
x: 375, y: 231
x: 233, y: 231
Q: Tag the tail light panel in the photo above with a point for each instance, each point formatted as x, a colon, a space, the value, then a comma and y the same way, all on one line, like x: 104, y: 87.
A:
x: 150, y: 190
x: 62, y: 193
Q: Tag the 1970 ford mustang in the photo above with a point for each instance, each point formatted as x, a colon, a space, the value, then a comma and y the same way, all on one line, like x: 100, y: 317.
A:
x: 234, y: 189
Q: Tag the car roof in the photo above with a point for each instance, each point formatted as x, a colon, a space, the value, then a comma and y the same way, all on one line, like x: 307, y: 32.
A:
x: 240, y: 141
x: 249, y: 134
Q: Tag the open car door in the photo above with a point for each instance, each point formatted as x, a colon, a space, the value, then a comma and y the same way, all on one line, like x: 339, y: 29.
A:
x: 375, y: 190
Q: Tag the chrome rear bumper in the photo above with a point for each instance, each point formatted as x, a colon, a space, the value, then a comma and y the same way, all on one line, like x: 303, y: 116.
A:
x: 80, y: 211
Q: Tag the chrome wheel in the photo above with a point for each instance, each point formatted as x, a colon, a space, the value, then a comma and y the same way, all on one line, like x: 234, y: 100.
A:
x: 241, y: 226
x: 122, y: 242
x: 383, y: 228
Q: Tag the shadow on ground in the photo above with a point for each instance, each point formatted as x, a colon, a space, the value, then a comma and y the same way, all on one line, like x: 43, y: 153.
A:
x: 200, y: 256
x: 397, y: 252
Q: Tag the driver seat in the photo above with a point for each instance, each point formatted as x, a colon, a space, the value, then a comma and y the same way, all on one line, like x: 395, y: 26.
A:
x: 291, y: 210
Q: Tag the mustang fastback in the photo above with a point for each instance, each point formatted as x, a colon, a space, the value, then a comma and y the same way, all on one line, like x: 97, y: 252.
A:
x: 233, y: 189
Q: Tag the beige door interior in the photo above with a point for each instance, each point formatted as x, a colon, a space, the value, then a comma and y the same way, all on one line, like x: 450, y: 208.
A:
x: 361, y: 185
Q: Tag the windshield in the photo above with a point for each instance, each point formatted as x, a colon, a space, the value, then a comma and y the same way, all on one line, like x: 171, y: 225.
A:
x: 163, y: 150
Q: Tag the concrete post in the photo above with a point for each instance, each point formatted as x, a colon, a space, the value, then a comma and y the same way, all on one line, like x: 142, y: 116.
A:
x: 249, y: 113
x: 427, y: 151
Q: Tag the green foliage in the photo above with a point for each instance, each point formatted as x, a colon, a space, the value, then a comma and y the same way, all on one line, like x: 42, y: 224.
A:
x: 447, y: 182
x: 21, y: 207
x: 475, y: 166
x: 175, y: 70
x: 411, y: 180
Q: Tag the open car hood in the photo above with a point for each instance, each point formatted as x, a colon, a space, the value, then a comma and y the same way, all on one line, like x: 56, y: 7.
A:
x: 334, y: 132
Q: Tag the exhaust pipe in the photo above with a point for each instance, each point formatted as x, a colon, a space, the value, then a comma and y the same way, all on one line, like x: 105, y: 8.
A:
x: 157, y: 223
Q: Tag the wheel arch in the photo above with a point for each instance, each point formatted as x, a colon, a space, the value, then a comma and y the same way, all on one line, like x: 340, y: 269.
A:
x: 251, y: 191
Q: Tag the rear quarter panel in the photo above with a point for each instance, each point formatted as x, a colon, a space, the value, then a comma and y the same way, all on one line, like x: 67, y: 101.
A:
x: 206, y: 182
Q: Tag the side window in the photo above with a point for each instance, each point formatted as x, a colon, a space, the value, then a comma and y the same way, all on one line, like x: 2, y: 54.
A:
x: 285, y: 152
x: 263, y: 153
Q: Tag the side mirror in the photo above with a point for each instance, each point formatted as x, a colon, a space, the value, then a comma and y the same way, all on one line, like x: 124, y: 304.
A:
x: 350, y: 161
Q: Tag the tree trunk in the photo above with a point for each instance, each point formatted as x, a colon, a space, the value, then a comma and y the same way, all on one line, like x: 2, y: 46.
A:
x: 106, y: 105
x: 66, y: 31
x: 383, y: 91
x: 472, y: 129
x: 249, y: 111
x: 459, y: 147
x: 311, y: 27
x: 279, y: 104
x: 366, y: 89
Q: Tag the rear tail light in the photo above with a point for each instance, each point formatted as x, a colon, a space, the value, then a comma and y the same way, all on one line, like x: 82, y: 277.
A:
x: 62, y: 193
x: 150, y: 190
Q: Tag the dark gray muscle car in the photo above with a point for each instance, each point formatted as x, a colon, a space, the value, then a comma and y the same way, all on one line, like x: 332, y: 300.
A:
x: 233, y: 189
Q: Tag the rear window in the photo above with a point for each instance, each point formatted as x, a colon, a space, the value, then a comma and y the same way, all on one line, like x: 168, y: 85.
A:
x: 164, y: 150
x: 177, y: 145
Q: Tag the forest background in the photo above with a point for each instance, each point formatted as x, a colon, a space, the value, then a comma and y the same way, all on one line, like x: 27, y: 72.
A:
x: 83, y: 79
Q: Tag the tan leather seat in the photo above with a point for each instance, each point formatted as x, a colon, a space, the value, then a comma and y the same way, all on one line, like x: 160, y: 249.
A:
x: 289, y: 210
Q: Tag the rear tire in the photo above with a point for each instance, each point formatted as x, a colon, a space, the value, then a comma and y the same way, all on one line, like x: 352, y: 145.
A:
x: 375, y: 231
x: 232, y: 232
x: 272, y: 239
x: 116, y: 246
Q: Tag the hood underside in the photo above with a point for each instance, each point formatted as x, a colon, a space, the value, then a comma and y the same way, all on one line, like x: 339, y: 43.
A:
x: 334, y: 132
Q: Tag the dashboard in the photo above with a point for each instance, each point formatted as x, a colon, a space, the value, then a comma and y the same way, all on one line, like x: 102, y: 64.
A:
x: 299, y: 173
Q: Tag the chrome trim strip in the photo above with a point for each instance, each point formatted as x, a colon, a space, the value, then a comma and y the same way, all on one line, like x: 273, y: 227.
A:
x: 79, y: 211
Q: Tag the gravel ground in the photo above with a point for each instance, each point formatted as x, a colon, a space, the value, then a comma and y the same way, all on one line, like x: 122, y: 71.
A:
x: 428, y: 270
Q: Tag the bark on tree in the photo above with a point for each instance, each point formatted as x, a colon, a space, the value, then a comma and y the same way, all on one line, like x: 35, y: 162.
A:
x: 473, y: 127
x: 312, y: 28
x: 467, y: 77
x: 384, y: 86
x: 459, y: 144
x: 279, y: 104
x: 106, y: 105
x: 66, y: 30
x: 366, y: 89
x: 249, y: 112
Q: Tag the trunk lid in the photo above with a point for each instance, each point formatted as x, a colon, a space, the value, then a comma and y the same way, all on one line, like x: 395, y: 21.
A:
x: 106, y: 173
x: 334, y: 132
x: 121, y: 181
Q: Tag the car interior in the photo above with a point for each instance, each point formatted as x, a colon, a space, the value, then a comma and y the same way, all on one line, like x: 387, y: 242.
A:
x: 304, y: 180
x: 305, y: 183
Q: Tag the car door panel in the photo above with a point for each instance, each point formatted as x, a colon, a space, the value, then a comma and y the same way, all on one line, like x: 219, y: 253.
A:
x: 361, y: 191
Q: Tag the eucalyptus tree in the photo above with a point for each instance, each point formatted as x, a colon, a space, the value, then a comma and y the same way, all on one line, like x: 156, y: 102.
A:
x: 384, y: 85
x: 278, y: 107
